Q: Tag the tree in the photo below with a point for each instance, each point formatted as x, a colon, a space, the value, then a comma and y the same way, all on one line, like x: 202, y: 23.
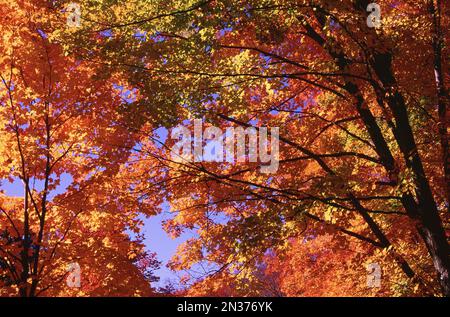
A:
x: 60, y: 141
x: 363, y: 118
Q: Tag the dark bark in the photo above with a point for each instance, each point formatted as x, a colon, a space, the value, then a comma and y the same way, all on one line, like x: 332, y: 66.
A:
x: 424, y: 212
x: 428, y: 221
x: 442, y: 92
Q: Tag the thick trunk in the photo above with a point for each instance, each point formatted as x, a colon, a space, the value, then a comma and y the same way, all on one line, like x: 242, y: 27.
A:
x: 424, y: 212
x: 442, y: 93
x: 381, y: 146
x: 429, y: 223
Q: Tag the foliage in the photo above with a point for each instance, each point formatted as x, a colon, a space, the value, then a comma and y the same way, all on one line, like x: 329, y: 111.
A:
x: 362, y: 112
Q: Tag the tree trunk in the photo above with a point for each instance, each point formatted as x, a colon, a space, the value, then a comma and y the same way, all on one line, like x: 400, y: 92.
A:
x: 428, y: 221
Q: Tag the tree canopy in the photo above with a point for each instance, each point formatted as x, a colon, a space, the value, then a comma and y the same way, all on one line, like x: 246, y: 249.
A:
x: 363, y: 146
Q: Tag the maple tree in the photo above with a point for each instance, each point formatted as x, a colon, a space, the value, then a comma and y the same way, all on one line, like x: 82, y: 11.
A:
x: 58, y: 141
x: 364, y: 166
x: 363, y: 112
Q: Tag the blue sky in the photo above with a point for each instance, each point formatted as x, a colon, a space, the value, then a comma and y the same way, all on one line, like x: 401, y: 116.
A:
x: 157, y: 240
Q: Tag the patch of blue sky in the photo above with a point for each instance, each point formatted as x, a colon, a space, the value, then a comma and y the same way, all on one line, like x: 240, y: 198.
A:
x: 274, y: 112
x: 140, y: 35
x: 156, y: 239
x: 267, y: 59
x: 226, y: 29
x: 161, y: 135
x: 254, y: 122
x: 127, y: 95
x: 157, y: 37
x: 42, y: 33
x: 106, y: 33
x: 16, y: 187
